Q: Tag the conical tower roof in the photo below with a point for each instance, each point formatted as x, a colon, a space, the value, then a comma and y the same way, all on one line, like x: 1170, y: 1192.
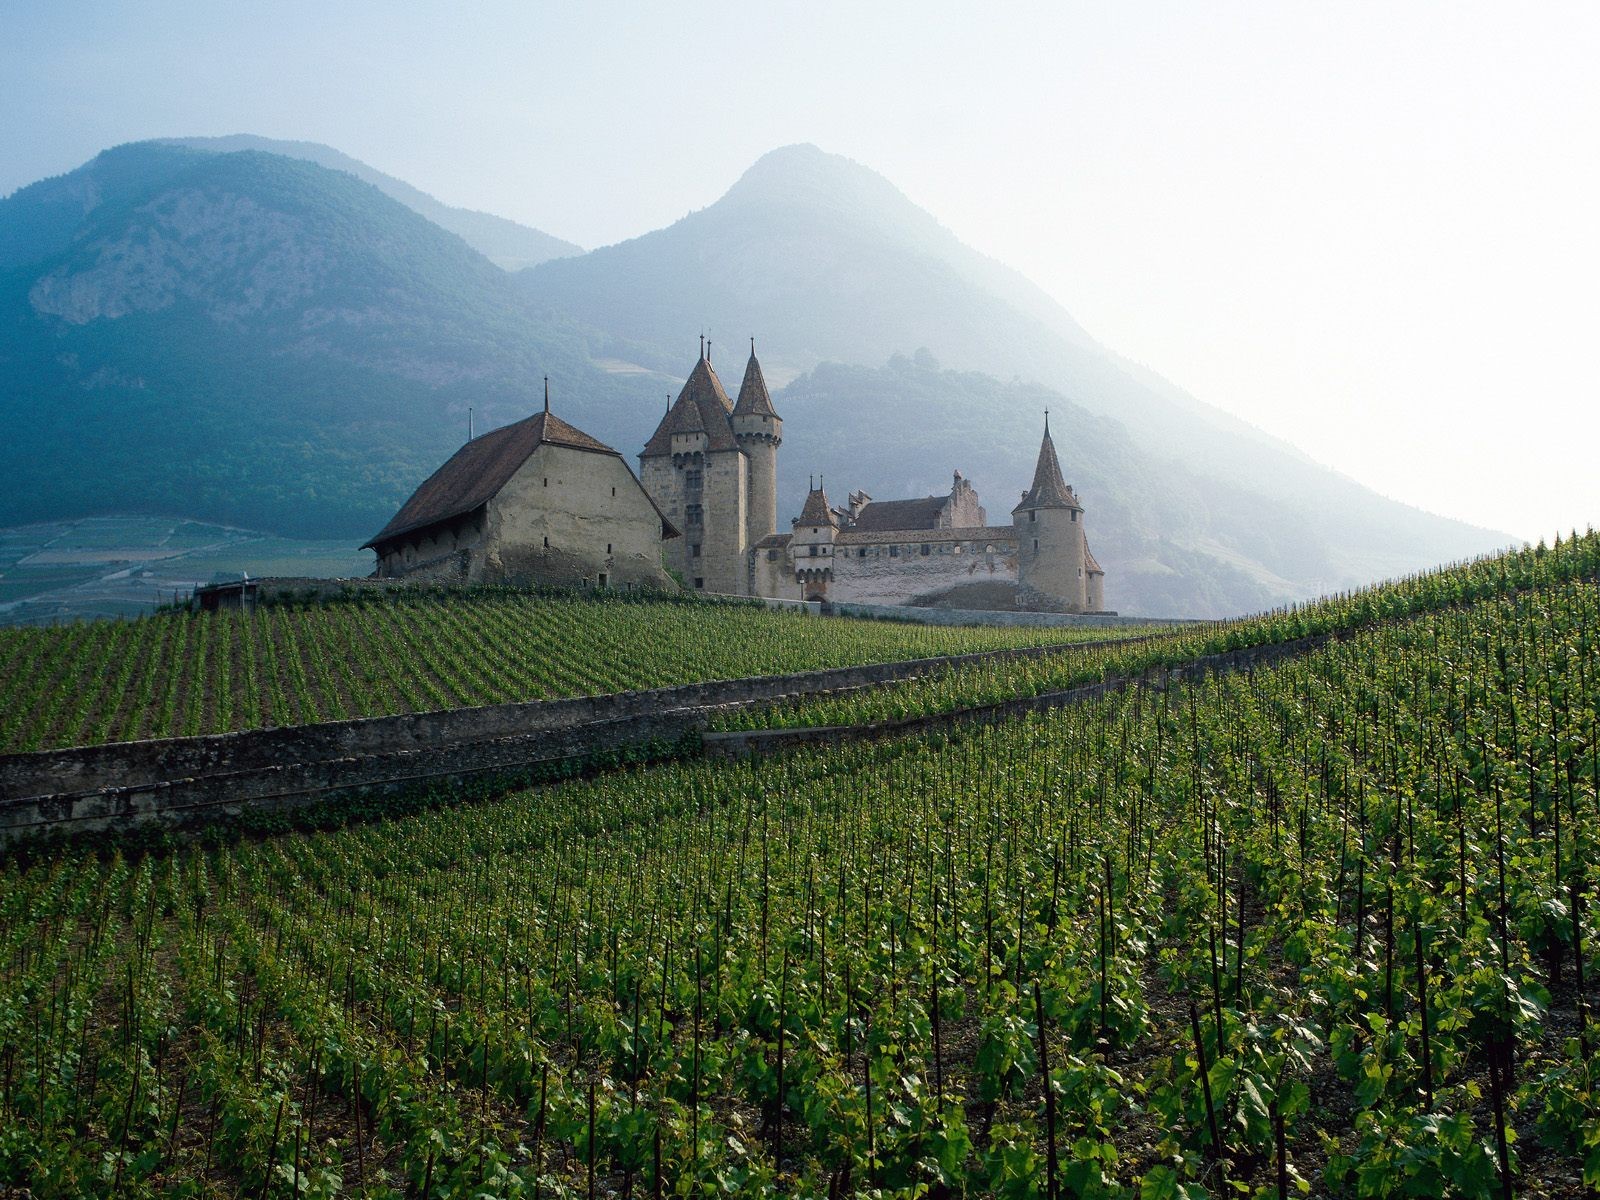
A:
x: 817, y: 510
x: 701, y: 407
x: 1049, y: 489
x: 754, y: 400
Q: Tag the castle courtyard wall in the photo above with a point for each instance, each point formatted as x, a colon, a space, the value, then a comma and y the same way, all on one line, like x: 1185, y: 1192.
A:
x: 899, y: 571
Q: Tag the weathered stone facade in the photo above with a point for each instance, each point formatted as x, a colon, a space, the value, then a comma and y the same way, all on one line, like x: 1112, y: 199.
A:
x: 938, y: 551
x: 534, y: 502
x: 711, y: 466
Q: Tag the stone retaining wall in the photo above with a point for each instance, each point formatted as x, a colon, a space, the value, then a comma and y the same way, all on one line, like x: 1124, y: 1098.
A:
x: 744, y: 743
x: 974, y: 616
x: 96, y: 788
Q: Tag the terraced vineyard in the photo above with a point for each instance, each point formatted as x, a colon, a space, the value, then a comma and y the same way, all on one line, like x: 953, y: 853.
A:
x: 177, y: 673
x: 1324, y: 927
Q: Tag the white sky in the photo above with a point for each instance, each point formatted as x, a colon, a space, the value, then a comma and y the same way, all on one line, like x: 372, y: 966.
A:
x: 1371, y: 229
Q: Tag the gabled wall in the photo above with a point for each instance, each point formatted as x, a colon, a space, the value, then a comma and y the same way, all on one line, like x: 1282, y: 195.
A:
x: 572, y: 517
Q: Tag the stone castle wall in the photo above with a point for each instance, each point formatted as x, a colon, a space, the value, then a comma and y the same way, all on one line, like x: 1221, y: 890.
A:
x: 915, y: 568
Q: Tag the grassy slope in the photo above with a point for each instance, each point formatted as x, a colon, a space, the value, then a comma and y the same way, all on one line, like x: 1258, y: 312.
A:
x: 839, y: 969
x: 173, y: 674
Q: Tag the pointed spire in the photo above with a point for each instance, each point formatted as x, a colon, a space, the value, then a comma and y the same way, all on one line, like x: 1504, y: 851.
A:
x: 547, y: 395
x: 702, y: 344
x: 817, y: 510
x: 701, y: 407
x: 754, y: 399
x: 1049, y: 489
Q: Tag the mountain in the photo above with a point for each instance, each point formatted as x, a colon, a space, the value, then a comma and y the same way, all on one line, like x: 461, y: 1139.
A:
x: 252, y: 339
x: 829, y: 262
x: 504, y: 243
x: 257, y: 339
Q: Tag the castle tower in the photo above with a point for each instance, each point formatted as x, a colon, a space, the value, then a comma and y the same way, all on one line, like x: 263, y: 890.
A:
x: 811, y: 546
x: 699, y: 477
x: 1052, y: 574
x: 759, y: 432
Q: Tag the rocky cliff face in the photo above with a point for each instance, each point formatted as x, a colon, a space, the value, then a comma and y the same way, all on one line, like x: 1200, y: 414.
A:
x: 222, y: 251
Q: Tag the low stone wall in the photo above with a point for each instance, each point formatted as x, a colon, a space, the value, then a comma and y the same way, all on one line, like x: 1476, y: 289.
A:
x: 181, y: 782
x: 94, y: 788
x: 972, y: 616
x: 744, y: 743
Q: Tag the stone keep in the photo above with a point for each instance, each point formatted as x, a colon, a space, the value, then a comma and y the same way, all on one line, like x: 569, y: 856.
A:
x: 711, y: 466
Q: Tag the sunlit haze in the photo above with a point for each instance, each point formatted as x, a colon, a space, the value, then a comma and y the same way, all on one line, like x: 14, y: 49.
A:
x: 1369, y: 229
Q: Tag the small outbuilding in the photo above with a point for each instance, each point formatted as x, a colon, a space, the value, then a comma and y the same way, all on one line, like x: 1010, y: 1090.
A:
x: 534, y: 502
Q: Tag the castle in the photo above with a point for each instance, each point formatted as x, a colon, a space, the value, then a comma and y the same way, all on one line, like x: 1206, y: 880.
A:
x: 540, y: 501
x: 711, y: 466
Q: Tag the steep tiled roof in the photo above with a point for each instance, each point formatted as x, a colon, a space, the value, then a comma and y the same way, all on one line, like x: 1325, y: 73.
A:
x: 816, y: 510
x: 1002, y: 536
x: 481, y: 468
x: 1049, y: 489
x: 774, y: 541
x: 1089, y: 563
x: 753, y: 397
x: 901, y: 514
x: 702, y: 406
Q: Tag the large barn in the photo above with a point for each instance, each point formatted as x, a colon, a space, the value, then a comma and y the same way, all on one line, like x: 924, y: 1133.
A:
x: 537, y: 501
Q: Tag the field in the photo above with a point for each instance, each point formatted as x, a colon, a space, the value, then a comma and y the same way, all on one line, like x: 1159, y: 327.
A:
x: 124, y: 566
x: 1323, y: 928
x: 181, y: 673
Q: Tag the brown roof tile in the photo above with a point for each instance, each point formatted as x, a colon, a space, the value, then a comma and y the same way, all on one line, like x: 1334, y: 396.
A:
x: 998, y: 534
x: 701, y: 407
x: 753, y: 396
x: 901, y: 514
x: 816, y: 510
x: 1049, y: 489
x: 774, y: 541
x: 474, y: 473
x: 1089, y: 563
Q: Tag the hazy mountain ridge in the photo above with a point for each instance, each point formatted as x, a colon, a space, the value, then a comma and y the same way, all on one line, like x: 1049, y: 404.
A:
x: 251, y: 338
x: 831, y: 263
x: 506, y: 243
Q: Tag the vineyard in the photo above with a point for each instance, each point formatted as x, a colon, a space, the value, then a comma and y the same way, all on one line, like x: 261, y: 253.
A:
x: 178, y: 674
x: 1323, y: 928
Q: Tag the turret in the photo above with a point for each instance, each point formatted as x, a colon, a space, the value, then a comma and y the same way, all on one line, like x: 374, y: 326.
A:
x: 812, y: 544
x: 1051, y: 550
x: 759, y: 431
x: 695, y: 471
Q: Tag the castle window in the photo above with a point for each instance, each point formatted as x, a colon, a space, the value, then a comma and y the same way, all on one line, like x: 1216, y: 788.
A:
x: 608, y: 547
x: 1036, y: 545
x: 772, y: 556
x: 603, y: 578
x: 694, y: 514
x: 1074, y: 516
x: 814, y: 551
x: 694, y: 550
x: 694, y: 479
x: 894, y: 551
x: 699, y: 583
x: 547, y: 481
x: 613, y: 491
x: 547, y: 543
x: 861, y: 553
x: 925, y: 549
x: 1032, y: 515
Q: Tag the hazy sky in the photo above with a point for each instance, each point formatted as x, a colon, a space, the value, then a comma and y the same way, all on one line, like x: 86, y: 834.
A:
x: 1371, y: 229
